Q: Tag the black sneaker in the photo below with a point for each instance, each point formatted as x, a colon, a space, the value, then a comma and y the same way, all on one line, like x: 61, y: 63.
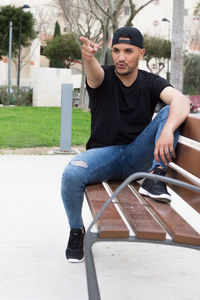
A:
x: 156, y: 189
x: 74, y: 252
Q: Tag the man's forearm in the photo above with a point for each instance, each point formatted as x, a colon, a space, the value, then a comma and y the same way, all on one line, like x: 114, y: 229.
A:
x: 94, y: 72
x: 179, y: 110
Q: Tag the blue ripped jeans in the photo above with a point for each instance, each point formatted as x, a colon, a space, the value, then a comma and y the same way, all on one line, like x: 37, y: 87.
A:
x: 110, y: 163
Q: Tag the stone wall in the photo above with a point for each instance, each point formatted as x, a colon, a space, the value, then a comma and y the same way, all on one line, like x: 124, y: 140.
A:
x: 47, y: 85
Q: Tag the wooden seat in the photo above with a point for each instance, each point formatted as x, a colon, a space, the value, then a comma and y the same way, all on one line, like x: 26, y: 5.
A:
x: 110, y: 224
x: 148, y: 218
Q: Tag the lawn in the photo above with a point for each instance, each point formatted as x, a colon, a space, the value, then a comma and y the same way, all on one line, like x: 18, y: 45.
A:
x: 26, y: 126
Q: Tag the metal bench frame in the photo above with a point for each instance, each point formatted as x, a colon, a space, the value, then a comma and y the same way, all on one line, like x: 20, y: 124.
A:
x: 91, y: 237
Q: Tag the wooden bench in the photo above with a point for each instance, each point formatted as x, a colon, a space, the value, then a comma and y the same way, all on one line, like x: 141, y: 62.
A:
x: 149, y: 220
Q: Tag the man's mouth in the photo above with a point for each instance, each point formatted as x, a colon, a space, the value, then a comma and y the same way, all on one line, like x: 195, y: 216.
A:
x: 121, y: 65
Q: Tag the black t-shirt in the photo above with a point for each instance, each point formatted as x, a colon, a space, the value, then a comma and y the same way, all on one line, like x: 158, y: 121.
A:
x: 120, y: 113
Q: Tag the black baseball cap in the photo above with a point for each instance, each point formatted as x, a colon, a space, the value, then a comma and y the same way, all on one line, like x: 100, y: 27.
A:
x: 136, y: 38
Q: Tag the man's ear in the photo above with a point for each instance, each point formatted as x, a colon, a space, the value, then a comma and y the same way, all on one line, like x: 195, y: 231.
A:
x: 142, y: 52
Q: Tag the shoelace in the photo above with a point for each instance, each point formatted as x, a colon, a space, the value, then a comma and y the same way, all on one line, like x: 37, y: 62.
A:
x: 75, y: 238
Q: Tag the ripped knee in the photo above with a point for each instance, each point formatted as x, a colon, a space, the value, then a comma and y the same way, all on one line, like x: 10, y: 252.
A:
x: 79, y: 163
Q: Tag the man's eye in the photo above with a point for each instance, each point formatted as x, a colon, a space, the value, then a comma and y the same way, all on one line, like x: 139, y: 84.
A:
x: 129, y: 51
x: 116, y: 50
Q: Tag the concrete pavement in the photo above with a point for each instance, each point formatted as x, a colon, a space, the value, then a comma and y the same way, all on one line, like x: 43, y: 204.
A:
x: 33, y: 238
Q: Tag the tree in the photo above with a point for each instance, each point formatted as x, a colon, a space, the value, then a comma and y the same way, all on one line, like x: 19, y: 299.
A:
x: 113, y: 10
x: 106, y: 15
x: 57, y: 30
x: 156, y: 48
x: 192, y: 74
x: 82, y: 18
x: 177, y: 45
x: 54, y: 62
x: 63, y: 50
x: 11, y: 13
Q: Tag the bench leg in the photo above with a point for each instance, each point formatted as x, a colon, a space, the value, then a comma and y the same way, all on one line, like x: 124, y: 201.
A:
x: 92, y: 284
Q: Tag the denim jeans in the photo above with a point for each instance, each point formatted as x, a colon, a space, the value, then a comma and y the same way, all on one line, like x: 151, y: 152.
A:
x: 110, y: 163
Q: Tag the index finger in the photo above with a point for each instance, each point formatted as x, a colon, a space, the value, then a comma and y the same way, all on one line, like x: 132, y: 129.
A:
x: 85, y: 40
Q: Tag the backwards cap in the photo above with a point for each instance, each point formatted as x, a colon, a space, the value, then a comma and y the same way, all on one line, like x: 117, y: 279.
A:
x: 136, y: 38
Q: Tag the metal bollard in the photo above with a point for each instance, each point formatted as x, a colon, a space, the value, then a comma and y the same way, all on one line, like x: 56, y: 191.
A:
x: 66, y: 117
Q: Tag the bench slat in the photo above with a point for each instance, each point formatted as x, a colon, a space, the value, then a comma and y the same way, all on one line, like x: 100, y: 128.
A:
x: 192, y: 198
x: 175, y: 225
x: 110, y: 224
x: 142, y: 222
x: 191, y: 128
x: 191, y: 164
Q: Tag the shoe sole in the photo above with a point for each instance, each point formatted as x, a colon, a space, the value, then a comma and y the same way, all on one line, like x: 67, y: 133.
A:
x: 162, y: 198
x: 75, y: 260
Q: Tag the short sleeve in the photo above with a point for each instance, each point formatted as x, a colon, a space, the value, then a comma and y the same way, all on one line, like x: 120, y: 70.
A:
x: 158, y: 85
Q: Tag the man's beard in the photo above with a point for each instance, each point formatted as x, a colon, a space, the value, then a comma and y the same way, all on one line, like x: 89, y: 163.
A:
x: 122, y: 74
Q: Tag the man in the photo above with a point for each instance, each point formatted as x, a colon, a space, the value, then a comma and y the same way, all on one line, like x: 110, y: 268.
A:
x: 124, y: 138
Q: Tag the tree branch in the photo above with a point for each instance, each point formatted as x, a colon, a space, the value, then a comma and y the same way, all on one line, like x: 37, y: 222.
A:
x: 134, y: 11
x: 103, y: 10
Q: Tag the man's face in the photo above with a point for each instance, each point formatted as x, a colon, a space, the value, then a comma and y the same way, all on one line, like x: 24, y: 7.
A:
x: 126, y: 58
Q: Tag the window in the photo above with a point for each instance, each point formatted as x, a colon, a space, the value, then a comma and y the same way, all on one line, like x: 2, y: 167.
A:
x: 153, y: 66
x: 156, y: 23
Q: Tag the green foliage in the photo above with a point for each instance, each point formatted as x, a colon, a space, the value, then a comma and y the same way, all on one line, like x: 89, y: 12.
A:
x: 29, y: 126
x: 156, y: 47
x: 18, y: 96
x: 54, y: 63
x: 62, y: 51
x: 57, y: 30
x: 11, y: 13
x: 197, y: 9
x: 192, y: 75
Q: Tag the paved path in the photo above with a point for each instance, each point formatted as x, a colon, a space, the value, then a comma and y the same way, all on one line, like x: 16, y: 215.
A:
x: 33, y: 237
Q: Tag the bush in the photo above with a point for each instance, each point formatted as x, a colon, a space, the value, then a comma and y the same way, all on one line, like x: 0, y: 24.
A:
x: 20, y: 96
x: 62, y: 51
x: 191, y: 75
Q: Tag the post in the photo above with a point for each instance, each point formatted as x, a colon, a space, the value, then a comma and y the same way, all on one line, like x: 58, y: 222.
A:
x: 25, y: 6
x: 9, y: 59
x: 19, y: 51
x: 66, y: 117
x: 168, y: 73
x: 166, y: 20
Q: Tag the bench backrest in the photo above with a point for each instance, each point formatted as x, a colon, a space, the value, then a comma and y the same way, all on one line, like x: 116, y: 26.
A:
x: 186, y: 166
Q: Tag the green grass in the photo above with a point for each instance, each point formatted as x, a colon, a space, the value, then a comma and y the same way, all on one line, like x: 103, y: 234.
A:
x: 25, y: 126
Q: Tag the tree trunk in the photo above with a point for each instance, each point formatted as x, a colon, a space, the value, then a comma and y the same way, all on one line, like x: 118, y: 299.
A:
x: 177, y: 45
x: 82, y: 94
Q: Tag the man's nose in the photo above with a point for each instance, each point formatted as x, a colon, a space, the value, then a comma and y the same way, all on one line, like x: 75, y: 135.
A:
x: 121, y: 56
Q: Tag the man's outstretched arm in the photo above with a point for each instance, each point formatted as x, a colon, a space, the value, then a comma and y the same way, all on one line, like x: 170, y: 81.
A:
x: 94, y: 71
